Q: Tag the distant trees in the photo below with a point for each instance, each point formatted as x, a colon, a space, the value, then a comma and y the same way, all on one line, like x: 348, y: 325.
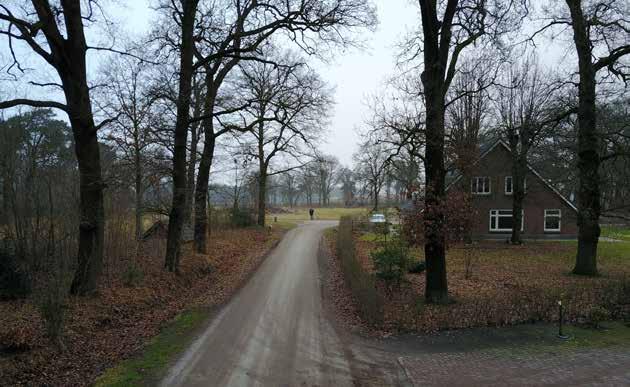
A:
x: 327, y: 172
x: 37, y: 179
x: 371, y: 167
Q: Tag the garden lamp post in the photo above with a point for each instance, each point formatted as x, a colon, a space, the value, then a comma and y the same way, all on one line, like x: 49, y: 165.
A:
x: 561, y: 335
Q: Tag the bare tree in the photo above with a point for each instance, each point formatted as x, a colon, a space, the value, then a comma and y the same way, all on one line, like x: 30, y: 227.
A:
x: 234, y: 30
x: 126, y: 98
x: 184, y: 13
x: 327, y: 169
x: 348, y: 185
x: 448, y: 29
x: 525, y: 104
x: 596, y: 25
x: 289, y: 103
x: 55, y: 33
x: 371, y: 166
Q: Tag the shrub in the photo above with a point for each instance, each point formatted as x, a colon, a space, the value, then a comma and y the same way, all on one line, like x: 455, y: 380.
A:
x: 596, y: 315
x: 242, y: 218
x: 391, y: 262
x: 360, y: 282
x: 417, y: 267
x: 132, y: 276
x: 15, y: 282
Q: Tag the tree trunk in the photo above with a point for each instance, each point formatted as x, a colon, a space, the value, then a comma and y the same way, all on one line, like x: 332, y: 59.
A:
x: 203, y: 176
x: 201, y: 190
x: 436, y: 289
x: 92, y: 223
x: 190, y: 174
x: 518, y: 195
x: 139, y: 192
x: 176, y: 218
x: 262, y: 195
x: 588, y: 149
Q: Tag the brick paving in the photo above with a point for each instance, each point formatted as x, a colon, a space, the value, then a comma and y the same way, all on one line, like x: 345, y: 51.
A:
x: 592, y: 367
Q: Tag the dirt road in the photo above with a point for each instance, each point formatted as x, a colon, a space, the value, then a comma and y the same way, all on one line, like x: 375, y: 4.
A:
x: 275, y: 331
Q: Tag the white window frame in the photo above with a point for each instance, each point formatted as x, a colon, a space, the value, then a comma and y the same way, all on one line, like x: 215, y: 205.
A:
x: 558, y: 215
x: 512, y: 185
x: 477, y: 179
x: 495, y: 213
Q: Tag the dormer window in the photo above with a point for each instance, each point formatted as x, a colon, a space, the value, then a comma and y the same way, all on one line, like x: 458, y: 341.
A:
x: 480, y: 185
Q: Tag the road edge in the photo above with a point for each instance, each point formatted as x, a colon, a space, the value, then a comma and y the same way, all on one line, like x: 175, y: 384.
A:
x: 185, y: 333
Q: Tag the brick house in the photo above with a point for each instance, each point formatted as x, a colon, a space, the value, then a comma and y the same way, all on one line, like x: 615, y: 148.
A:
x: 546, y: 213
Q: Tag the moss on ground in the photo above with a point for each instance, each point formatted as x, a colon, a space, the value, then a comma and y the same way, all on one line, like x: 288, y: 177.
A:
x: 152, y: 362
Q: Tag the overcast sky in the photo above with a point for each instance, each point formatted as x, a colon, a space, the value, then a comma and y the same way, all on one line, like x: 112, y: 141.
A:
x: 354, y: 74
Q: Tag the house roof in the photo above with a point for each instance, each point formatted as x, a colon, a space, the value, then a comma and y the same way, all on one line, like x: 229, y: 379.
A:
x: 487, y: 148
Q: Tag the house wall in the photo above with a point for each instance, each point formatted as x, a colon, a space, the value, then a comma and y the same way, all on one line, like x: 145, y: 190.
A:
x: 497, y: 165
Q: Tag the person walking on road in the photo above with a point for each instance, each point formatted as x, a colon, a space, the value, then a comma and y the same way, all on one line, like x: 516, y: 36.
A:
x: 311, y: 212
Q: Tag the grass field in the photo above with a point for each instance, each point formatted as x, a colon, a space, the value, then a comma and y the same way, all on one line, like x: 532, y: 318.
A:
x: 301, y: 214
x: 616, y: 232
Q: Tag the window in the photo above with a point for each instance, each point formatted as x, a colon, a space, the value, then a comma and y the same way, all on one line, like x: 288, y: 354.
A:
x: 502, y: 220
x: 480, y: 185
x: 552, y: 220
x: 508, y: 185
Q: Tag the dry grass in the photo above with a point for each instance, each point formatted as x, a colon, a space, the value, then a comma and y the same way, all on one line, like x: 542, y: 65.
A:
x: 509, y: 285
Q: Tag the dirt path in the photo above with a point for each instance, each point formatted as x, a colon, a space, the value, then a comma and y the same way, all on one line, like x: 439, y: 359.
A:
x: 275, y: 332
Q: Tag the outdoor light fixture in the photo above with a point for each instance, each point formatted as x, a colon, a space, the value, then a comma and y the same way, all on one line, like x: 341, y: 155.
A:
x: 561, y: 335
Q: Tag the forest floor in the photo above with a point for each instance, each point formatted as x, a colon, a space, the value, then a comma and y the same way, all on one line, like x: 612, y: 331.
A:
x: 155, y: 308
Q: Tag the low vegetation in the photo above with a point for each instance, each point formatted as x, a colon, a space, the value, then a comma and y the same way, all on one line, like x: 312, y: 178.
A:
x: 360, y: 281
x: 45, y: 337
x: 495, y: 284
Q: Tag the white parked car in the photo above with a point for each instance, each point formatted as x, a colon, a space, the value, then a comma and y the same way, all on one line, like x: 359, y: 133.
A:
x: 378, y: 218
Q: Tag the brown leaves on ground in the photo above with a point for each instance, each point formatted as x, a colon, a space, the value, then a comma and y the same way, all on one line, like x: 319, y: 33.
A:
x: 102, y: 330
x: 504, y: 285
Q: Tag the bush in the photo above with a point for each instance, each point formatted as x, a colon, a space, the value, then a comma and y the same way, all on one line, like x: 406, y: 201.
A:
x: 242, y: 218
x: 14, y: 281
x: 52, y: 296
x: 596, y: 315
x: 417, y: 267
x: 132, y: 276
x: 391, y: 262
x: 360, y: 282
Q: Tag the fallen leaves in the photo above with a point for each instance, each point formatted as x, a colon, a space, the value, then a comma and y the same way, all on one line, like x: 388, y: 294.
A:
x: 504, y: 285
x: 102, y: 330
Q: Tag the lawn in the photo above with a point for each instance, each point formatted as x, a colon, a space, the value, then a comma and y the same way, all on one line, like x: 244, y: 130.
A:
x: 616, y: 232
x: 299, y: 214
x: 494, y: 284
